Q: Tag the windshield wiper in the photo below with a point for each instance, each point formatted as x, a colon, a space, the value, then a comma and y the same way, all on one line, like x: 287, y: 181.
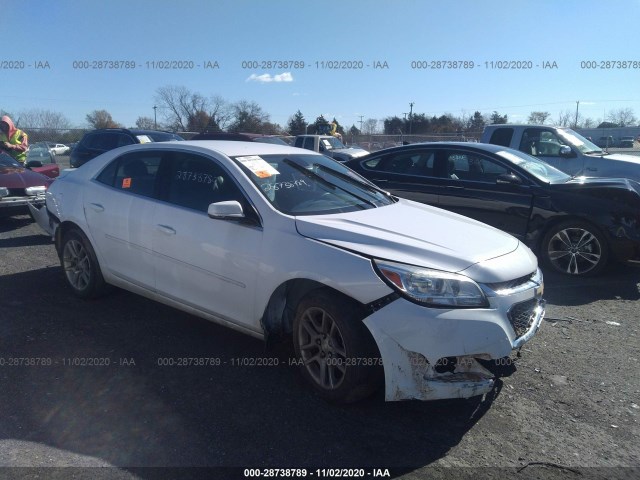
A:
x: 311, y: 174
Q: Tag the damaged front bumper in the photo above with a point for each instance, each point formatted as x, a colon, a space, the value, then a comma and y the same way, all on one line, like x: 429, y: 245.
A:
x: 41, y: 215
x: 433, y: 354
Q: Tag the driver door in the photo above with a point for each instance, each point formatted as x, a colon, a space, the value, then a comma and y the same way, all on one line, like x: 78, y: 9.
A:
x: 545, y: 145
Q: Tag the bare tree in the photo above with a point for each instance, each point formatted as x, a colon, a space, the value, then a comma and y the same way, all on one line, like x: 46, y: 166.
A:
x: 565, y: 118
x: 538, y: 118
x: 146, y: 122
x: 248, y: 117
x: 370, y: 126
x: 101, y: 119
x: 185, y: 110
x: 589, y: 123
x: 623, y: 117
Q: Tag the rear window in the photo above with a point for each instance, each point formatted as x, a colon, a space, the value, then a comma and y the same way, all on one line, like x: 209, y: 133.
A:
x: 502, y: 137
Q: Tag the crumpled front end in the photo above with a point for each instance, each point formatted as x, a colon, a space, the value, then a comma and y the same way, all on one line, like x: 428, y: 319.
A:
x: 432, y: 354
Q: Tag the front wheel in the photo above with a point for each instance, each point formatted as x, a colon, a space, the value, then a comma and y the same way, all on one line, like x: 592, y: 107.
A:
x: 80, y: 265
x: 337, y: 353
x: 575, y: 248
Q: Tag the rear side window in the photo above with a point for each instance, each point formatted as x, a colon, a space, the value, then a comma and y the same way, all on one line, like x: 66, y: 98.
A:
x: 407, y: 163
x: 133, y: 172
x: 502, y: 136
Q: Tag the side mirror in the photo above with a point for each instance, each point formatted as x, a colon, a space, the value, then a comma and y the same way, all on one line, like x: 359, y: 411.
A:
x: 226, y: 210
x: 566, y: 152
x: 33, y: 163
x: 508, y: 179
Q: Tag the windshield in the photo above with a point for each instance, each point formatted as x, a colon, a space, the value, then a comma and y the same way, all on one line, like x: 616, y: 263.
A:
x: 539, y: 169
x: 7, y: 161
x: 578, y: 141
x: 332, y: 142
x: 311, y: 184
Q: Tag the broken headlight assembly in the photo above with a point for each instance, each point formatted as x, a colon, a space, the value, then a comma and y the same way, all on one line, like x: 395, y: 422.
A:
x: 431, y: 288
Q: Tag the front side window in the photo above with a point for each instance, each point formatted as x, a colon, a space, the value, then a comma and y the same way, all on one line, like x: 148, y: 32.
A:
x: 541, y: 143
x: 196, y: 182
x: 133, y: 173
x: 310, y: 184
x: 470, y: 166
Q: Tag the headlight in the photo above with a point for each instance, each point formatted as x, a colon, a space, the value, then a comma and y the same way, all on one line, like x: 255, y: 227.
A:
x: 432, y: 288
x: 40, y: 190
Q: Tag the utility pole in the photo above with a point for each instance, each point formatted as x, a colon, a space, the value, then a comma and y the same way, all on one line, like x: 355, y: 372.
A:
x: 155, y: 118
x: 410, y: 117
x: 575, y: 125
x: 361, y: 117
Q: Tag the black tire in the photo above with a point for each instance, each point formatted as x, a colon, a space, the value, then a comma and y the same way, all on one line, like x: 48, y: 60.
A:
x: 337, y: 354
x: 575, y: 247
x: 80, y: 265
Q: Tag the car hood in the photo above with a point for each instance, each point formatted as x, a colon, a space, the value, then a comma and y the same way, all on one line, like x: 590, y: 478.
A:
x: 352, y: 152
x: 621, y: 157
x: 412, y: 233
x: 15, y: 177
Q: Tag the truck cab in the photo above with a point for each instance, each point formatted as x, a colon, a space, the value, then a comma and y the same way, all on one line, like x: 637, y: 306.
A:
x: 330, y: 146
x: 564, y: 149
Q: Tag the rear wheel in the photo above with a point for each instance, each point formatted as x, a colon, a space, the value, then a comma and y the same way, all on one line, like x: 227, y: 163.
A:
x: 575, y: 248
x: 337, y: 353
x: 80, y: 265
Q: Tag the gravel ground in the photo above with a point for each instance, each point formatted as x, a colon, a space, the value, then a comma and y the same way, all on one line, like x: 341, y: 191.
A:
x: 570, y: 409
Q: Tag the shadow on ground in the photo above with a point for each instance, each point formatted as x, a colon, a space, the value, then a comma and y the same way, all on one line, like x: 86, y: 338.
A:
x: 114, y: 382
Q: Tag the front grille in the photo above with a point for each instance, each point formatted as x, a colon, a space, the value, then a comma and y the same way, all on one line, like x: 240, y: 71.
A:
x: 516, y: 282
x: 522, y: 315
x: 17, y: 192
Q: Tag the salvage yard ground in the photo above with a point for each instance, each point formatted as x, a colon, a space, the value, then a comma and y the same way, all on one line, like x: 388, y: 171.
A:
x: 570, y: 410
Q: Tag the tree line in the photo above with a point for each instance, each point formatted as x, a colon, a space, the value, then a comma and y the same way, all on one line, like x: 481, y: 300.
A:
x: 179, y: 109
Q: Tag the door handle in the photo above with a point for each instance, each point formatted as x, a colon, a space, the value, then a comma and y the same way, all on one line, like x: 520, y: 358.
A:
x: 379, y: 180
x: 591, y: 169
x: 166, y: 229
x: 97, y: 207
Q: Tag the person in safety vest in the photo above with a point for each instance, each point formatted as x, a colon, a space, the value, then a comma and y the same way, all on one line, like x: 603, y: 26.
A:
x: 13, y: 140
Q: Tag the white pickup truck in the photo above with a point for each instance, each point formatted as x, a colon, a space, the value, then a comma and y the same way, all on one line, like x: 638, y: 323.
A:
x: 564, y: 149
x: 330, y: 146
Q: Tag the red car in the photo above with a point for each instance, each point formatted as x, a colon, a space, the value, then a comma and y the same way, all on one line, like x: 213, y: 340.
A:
x: 41, y: 160
x: 20, y: 186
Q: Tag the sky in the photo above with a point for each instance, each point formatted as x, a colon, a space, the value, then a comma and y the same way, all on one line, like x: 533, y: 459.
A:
x: 351, y: 60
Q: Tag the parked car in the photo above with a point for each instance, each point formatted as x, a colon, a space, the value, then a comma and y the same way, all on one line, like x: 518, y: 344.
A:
x: 41, y: 160
x: 99, y: 141
x: 241, y: 137
x: 575, y: 225
x: 277, y: 242
x: 606, y: 142
x: 626, y: 142
x: 58, y: 148
x: 19, y: 186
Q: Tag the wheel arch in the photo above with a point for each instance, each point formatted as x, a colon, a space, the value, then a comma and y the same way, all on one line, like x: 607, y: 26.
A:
x: 560, y: 219
x: 278, y: 316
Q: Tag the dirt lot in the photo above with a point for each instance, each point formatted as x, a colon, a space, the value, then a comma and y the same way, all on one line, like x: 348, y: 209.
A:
x: 570, y: 410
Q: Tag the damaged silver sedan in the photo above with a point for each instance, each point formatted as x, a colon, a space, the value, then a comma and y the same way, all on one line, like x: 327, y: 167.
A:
x: 282, y: 243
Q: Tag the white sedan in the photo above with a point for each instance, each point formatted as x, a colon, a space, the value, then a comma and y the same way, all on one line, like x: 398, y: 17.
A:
x: 279, y: 242
x: 58, y: 148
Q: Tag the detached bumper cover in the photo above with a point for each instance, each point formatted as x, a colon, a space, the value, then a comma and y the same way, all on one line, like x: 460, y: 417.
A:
x: 430, y: 354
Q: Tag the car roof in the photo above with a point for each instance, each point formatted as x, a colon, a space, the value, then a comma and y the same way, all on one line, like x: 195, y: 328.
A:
x: 488, y: 147
x: 232, y: 148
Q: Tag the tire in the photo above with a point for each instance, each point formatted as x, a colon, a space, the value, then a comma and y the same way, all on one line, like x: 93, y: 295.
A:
x: 80, y: 265
x: 337, y: 354
x: 575, y: 248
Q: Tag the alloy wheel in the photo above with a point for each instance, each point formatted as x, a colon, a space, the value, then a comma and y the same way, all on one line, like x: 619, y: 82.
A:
x: 77, y: 264
x: 575, y: 251
x: 322, y: 348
